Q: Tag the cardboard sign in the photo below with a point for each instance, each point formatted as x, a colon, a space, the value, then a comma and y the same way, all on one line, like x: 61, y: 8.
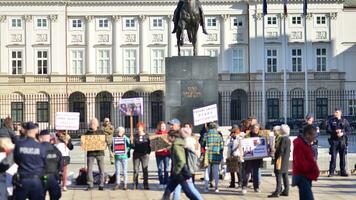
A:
x: 131, y: 106
x: 159, y: 142
x: 254, y: 148
x: 67, y: 121
x: 93, y: 142
x: 205, y: 114
x: 119, y: 146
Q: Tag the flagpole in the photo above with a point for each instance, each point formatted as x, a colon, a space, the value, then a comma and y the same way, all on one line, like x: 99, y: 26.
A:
x: 285, y: 65
x: 263, y: 71
x: 305, y: 58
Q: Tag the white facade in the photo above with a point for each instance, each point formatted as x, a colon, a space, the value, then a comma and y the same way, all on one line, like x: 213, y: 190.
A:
x: 58, y: 47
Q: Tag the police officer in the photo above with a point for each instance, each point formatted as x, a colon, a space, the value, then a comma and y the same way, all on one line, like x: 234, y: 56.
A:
x: 30, y: 156
x: 54, y: 166
x: 338, y: 128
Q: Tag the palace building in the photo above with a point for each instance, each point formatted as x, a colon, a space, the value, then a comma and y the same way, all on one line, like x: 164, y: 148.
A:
x: 84, y: 55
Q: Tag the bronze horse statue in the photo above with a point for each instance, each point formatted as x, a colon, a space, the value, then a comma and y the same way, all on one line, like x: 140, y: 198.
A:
x: 190, y: 17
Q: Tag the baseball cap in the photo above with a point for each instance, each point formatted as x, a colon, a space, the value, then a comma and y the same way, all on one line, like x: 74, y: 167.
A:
x: 44, y: 132
x: 174, y: 121
x: 31, y: 125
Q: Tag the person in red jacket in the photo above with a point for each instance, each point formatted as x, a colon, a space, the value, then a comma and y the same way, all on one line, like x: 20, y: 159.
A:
x: 305, y: 168
x: 162, y: 157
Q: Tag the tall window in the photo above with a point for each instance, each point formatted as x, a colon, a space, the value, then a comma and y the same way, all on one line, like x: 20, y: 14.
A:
x: 321, y: 59
x: 103, y: 59
x: 77, y: 62
x: 296, y: 20
x: 157, y: 23
x: 212, y: 52
x: 273, y: 108
x: 42, y: 62
x: 79, y: 106
x: 271, y: 21
x: 17, y: 111
x: 297, y: 60
x: 130, y: 61
x: 16, y: 23
x: 103, y: 23
x: 16, y: 62
x: 352, y: 107
x: 237, y: 61
x: 77, y: 23
x: 211, y: 22
x: 157, y: 61
x: 42, y: 111
x: 298, y: 108
x: 130, y: 23
x: 271, y: 60
x: 41, y: 23
x: 321, y: 108
x: 238, y: 22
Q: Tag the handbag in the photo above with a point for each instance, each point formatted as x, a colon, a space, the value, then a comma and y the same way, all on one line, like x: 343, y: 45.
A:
x: 204, y: 160
x: 279, y: 163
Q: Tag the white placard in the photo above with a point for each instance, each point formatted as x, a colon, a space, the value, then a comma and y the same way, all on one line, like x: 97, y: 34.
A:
x: 205, y: 114
x: 292, y: 138
x: 131, y: 106
x: 67, y: 121
x: 254, y: 148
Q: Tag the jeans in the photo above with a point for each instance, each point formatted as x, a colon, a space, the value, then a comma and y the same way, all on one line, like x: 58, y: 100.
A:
x: 121, y: 165
x: 215, y: 169
x: 304, y: 186
x: 163, y: 166
x: 178, y: 190
x: 90, y: 162
x: 251, y: 166
x: 187, y: 186
x: 279, y: 177
x: 334, y: 149
x: 143, y: 160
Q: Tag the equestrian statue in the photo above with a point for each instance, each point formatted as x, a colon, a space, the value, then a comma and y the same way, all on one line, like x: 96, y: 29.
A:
x: 188, y: 16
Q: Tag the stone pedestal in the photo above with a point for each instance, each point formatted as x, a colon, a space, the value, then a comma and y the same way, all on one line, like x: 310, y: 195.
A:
x: 191, y: 82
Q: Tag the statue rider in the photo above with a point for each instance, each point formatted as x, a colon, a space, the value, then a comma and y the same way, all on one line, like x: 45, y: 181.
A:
x: 177, y: 12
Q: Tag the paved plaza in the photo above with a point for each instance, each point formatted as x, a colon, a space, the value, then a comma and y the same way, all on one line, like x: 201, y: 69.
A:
x: 326, y: 188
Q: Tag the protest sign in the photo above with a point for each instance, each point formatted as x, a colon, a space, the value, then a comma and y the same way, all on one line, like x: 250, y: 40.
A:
x: 93, y: 142
x: 254, y: 148
x: 67, y: 121
x: 131, y: 106
x: 159, y: 142
x: 119, y: 146
x: 205, y: 114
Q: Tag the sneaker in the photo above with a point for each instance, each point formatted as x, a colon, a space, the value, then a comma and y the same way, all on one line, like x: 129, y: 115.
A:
x: 244, y: 191
x: 344, y: 174
x: 284, y: 193
x: 216, y: 190
x: 101, y: 188
x: 257, y: 190
x: 65, y: 189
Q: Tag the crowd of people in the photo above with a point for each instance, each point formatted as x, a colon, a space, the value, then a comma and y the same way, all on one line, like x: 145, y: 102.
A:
x: 43, y: 158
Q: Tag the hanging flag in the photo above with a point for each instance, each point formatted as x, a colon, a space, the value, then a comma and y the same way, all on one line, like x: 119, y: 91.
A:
x: 305, y: 7
x: 264, y: 7
x: 285, y: 7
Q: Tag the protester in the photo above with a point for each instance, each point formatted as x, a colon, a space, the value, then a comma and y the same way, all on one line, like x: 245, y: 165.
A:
x: 162, y: 158
x: 109, y: 131
x: 305, y: 168
x: 53, y: 167
x: 121, y: 147
x: 95, y: 155
x: 64, y: 144
x: 180, y: 174
x: 141, y: 155
x: 30, y: 156
x: 234, y: 154
x: 281, y: 161
x: 339, y: 129
x: 214, y: 145
x: 252, y: 166
x: 6, y: 161
x: 7, y: 128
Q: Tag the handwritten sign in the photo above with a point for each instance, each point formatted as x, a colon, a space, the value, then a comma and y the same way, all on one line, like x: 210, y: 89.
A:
x: 93, y: 142
x: 67, y: 121
x: 131, y: 106
x: 159, y: 142
x: 254, y: 148
x: 205, y: 114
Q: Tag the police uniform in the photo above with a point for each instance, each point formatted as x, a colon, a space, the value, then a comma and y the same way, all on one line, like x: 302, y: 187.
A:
x: 54, y: 166
x: 30, y: 156
x: 338, y: 144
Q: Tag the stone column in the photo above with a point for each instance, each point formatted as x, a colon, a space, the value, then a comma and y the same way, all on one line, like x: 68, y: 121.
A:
x: 57, y: 44
x: 333, y: 30
x: 144, y: 55
x: 117, y: 52
x: 3, y: 52
x: 224, y: 44
x: 170, y: 36
x: 28, y: 64
x: 90, y: 40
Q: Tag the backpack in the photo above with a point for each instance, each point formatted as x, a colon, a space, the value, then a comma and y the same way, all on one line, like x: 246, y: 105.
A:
x: 192, y: 161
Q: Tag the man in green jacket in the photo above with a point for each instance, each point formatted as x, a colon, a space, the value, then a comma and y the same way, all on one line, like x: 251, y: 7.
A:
x: 109, y: 131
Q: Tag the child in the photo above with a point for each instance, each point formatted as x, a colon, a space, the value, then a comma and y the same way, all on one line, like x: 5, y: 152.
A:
x: 121, y: 147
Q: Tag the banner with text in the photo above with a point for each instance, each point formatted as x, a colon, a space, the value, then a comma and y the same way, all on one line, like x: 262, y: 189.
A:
x: 93, y: 142
x: 254, y: 148
x: 67, y: 121
x: 131, y: 106
x: 205, y: 114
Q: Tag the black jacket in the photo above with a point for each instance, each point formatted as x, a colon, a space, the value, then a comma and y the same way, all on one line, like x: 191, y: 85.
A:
x: 141, y: 148
x: 95, y: 153
x: 283, y: 151
x: 54, y: 162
